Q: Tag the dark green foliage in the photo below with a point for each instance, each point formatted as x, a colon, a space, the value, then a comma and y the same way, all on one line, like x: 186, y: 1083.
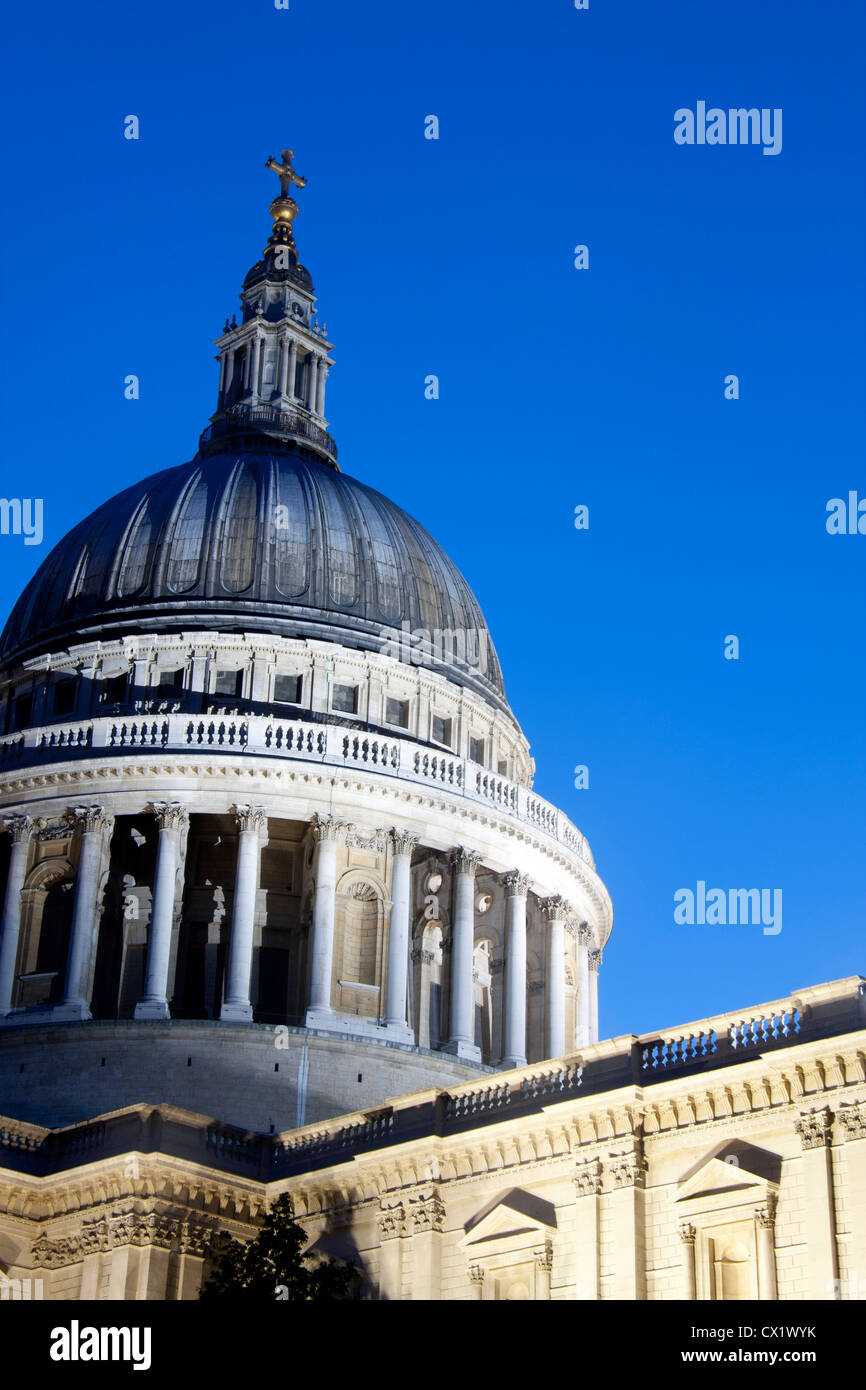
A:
x: 272, y: 1267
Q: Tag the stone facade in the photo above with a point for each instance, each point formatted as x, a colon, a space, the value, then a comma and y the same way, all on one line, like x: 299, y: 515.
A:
x: 724, y: 1160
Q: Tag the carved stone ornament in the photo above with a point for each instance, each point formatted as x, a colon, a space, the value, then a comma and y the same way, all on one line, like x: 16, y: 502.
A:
x: 330, y: 828
x: 92, y: 819
x: 19, y: 827
x: 465, y: 861
x: 814, y: 1129
x: 50, y: 828
x: 594, y: 958
x: 627, y: 1170
x: 688, y: 1234
x: 250, y: 817
x: 516, y: 884
x: 427, y: 1212
x: 376, y: 840
x: 765, y: 1215
x: 403, y: 841
x: 171, y: 815
x: 392, y: 1222
x: 106, y: 1233
x: 556, y: 909
x: 852, y: 1121
x: 588, y: 1178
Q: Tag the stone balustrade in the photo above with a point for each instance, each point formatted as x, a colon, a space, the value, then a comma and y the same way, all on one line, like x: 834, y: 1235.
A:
x: 261, y: 736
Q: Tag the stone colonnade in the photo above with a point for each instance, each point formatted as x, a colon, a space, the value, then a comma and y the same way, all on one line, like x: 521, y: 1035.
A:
x: 94, y: 827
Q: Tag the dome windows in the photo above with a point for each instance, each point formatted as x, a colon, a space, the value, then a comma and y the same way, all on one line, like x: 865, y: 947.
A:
x: 287, y: 690
x: 229, y: 682
x: 440, y: 730
x: 344, y: 699
x: 397, y: 713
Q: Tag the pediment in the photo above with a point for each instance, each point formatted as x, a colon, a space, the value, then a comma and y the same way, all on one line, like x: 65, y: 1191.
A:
x: 517, y: 1218
x: 736, y: 1167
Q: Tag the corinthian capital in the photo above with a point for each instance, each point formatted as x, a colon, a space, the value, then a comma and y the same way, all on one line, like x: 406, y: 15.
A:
x: 403, y: 840
x: 91, y: 819
x: 19, y: 827
x: 171, y: 815
x: 594, y: 960
x: 556, y: 909
x: 250, y: 817
x: 465, y: 861
x: 516, y: 884
x: 329, y: 828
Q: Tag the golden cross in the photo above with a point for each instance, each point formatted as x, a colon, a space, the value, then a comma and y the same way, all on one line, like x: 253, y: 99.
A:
x: 285, y: 172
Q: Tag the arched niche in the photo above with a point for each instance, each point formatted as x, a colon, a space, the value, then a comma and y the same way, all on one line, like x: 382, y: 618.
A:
x: 47, y: 900
x: 360, y: 942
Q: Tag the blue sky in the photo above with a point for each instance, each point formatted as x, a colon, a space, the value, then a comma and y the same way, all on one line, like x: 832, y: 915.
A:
x: 558, y: 387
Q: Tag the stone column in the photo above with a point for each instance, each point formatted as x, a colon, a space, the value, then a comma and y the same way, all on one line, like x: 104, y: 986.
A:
x: 584, y: 1002
x: 543, y: 1271
x: 94, y: 827
x: 514, y: 1042
x: 556, y: 910
x: 251, y: 822
x: 320, y: 394
x: 254, y: 378
x: 815, y: 1132
x: 293, y: 367
x: 284, y: 367
x: 462, y: 1039
x: 688, y: 1236
x: 588, y: 1181
x: 328, y: 831
x: 398, y: 934
x: 173, y: 821
x: 230, y: 375
x: 311, y: 388
x: 594, y: 962
x: 766, y: 1221
x: 21, y: 830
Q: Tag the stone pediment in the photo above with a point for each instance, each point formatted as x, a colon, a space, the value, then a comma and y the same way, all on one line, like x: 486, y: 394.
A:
x: 736, y: 1168
x: 518, y: 1218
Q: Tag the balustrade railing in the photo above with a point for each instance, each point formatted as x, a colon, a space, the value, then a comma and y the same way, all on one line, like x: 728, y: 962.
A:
x: 293, y: 738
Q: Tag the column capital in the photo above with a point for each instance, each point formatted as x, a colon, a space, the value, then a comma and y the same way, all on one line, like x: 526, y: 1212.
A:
x: 765, y: 1215
x: 403, y: 841
x: 19, y: 827
x: 814, y: 1129
x: 250, y: 817
x: 476, y: 1274
x: 556, y: 909
x: 392, y: 1221
x: 584, y: 934
x: 329, y: 828
x: 687, y: 1233
x: 851, y: 1121
x: 465, y: 861
x: 516, y: 884
x: 595, y: 960
x: 589, y: 1178
x: 170, y: 815
x: 89, y: 819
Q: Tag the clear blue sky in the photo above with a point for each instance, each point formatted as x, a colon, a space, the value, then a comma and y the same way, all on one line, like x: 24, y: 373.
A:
x: 558, y: 387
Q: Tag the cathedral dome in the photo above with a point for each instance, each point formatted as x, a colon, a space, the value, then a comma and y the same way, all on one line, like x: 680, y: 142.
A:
x: 257, y: 535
